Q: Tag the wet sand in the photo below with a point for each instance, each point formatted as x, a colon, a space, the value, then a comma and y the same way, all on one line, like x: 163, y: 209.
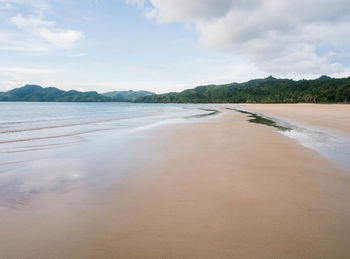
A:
x: 331, y: 116
x: 218, y: 188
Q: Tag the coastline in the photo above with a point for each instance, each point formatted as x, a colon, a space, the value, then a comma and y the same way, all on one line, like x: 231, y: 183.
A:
x: 331, y: 116
x: 217, y: 188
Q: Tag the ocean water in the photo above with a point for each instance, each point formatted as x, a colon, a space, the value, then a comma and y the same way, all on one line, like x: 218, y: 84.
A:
x: 30, y: 126
x: 45, y: 146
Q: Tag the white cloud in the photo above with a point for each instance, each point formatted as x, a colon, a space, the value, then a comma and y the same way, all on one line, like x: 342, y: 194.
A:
x: 26, y: 70
x: 38, y: 5
x: 29, y: 22
x: 61, y: 38
x: 32, y: 32
x: 77, y: 55
x: 281, y: 37
x: 11, y: 77
x: 138, y: 3
x: 47, y: 31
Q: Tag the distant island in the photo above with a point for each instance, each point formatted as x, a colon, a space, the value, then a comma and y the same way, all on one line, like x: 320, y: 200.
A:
x: 36, y: 93
x: 268, y: 90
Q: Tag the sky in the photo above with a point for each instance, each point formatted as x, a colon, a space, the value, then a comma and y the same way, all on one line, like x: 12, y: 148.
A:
x: 169, y: 45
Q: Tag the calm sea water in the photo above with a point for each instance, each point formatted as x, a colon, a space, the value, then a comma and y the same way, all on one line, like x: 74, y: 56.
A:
x: 46, y: 146
x: 30, y: 126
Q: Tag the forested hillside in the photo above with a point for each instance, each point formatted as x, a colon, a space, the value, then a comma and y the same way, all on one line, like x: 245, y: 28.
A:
x: 268, y: 90
x: 127, y: 96
x: 35, y: 93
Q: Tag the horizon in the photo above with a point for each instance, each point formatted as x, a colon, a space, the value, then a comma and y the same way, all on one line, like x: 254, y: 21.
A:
x: 168, y: 46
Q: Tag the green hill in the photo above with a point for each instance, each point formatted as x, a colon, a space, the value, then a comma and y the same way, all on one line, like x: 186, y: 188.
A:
x: 35, y: 93
x: 127, y: 96
x: 268, y: 90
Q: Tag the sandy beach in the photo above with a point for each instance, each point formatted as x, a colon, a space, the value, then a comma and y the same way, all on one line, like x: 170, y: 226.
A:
x: 332, y: 116
x: 220, y: 187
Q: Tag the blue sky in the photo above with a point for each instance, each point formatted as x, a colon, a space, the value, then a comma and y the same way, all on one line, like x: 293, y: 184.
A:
x: 168, y: 45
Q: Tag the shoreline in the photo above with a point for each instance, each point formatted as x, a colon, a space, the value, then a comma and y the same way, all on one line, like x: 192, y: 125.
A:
x: 330, y: 116
x: 332, y: 144
x: 221, y: 187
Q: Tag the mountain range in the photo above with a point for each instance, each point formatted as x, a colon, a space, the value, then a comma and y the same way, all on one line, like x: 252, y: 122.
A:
x: 127, y: 96
x: 267, y: 90
x: 36, y: 93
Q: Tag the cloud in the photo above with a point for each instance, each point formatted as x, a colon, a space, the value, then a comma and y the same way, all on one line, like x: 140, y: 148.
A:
x: 77, y: 55
x: 29, y: 22
x: 25, y: 27
x: 281, y: 37
x: 138, y: 3
x: 38, y: 5
x: 47, y: 31
x: 26, y: 70
x: 15, y: 76
x: 61, y: 38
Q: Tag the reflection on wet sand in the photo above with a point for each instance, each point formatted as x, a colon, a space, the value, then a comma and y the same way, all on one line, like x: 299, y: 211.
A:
x: 335, y: 147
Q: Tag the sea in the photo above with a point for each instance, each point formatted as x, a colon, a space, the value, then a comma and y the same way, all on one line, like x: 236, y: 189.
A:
x: 26, y: 126
x: 44, y: 146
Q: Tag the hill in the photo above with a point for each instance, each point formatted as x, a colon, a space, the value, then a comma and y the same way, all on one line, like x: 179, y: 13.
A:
x: 127, y: 96
x: 35, y: 93
x: 267, y: 90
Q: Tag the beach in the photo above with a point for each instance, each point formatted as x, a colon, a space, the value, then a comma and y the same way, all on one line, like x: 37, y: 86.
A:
x: 216, y: 187
x: 332, y: 116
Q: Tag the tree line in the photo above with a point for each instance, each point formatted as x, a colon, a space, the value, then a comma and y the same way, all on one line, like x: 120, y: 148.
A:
x: 268, y: 90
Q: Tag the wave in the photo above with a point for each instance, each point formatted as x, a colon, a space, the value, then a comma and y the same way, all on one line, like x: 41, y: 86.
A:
x: 53, y: 137
x: 70, y: 124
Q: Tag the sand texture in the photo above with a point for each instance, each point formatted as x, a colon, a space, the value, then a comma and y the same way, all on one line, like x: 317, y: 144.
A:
x: 217, y: 188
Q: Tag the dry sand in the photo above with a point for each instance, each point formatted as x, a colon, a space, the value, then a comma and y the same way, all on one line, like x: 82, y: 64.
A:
x: 219, y: 188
